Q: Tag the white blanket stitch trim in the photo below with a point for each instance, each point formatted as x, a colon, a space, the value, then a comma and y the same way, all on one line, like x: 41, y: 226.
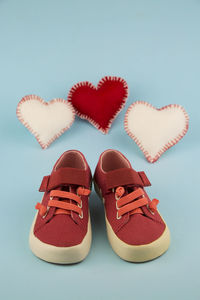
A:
x: 36, y: 134
x: 169, y: 144
x: 87, y: 83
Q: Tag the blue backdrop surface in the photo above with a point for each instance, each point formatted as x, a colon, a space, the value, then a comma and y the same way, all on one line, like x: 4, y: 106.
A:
x: 45, y: 48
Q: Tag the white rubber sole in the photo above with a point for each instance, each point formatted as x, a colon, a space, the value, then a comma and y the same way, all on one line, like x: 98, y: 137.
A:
x: 136, y: 253
x: 60, y: 255
x: 140, y: 253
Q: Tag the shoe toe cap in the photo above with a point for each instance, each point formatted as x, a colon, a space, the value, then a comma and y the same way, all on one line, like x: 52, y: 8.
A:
x: 141, y: 230
x: 61, y: 231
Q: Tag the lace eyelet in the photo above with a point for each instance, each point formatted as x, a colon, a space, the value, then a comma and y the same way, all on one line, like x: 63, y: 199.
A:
x: 150, y: 210
x: 80, y: 205
x: 117, y: 197
x: 118, y: 218
x: 81, y: 216
x: 117, y: 206
x: 43, y: 217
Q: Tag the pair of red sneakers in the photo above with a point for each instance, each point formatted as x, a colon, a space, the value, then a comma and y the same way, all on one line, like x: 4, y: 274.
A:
x: 61, y: 230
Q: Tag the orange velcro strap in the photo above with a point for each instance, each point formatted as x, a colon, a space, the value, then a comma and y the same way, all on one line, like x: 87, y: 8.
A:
x: 65, y: 205
x: 130, y: 197
x: 65, y: 195
x: 131, y: 206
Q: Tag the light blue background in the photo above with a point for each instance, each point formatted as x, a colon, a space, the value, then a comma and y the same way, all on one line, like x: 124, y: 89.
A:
x: 45, y: 48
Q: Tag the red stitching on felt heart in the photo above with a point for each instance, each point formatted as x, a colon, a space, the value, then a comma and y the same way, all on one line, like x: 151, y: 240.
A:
x: 87, y: 116
x: 169, y: 144
x: 37, y: 136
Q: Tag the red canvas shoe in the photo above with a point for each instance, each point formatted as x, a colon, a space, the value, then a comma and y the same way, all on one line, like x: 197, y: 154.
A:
x: 61, y: 230
x: 135, y: 229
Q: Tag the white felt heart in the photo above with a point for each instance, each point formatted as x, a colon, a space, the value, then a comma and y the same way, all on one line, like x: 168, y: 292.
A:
x: 155, y: 130
x: 45, y: 120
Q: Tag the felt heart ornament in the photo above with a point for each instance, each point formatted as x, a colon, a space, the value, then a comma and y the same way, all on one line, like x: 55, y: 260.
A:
x: 99, y: 105
x: 155, y: 130
x: 45, y: 120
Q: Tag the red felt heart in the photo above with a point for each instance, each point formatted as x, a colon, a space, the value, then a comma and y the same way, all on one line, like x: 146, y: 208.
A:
x: 99, y: 105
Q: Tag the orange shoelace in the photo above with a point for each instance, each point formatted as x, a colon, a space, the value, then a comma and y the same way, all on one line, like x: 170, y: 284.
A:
x: 64, y: 207
x: 132, y: 202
